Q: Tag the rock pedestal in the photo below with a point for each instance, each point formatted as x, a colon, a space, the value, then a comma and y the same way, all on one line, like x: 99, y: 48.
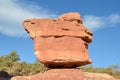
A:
x: 61, y: 42
x: 66, y: 74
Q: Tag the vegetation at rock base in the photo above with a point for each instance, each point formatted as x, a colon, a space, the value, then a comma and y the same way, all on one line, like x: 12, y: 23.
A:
x: 11, y: 64
x: 113, y: 70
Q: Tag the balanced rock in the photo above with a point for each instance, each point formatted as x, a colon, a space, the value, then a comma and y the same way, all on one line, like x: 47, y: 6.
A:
x: 61, y: 42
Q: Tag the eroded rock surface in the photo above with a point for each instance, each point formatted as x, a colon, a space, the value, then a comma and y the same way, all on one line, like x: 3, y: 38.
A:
x: 61, y: 42
x: 66, y: 74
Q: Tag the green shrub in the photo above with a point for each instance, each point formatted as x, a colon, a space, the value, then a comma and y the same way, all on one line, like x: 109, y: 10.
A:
x: 113, y: 70
x: 10, y: 64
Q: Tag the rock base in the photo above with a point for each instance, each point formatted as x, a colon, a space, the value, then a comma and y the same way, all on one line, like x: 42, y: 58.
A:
x: 65, y: 74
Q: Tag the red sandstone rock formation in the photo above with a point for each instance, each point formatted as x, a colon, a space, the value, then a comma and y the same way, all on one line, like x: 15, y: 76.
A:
x: 61, y: 42
x: 65, y: 74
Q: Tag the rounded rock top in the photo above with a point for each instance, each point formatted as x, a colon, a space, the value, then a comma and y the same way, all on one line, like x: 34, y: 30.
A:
x: 71, y: 16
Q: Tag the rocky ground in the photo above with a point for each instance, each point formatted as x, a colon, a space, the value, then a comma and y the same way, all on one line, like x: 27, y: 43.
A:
x: 65, y: 74
x: 88, y: 76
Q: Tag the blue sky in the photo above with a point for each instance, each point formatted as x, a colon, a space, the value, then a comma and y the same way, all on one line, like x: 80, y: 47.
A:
x: 102, y: 17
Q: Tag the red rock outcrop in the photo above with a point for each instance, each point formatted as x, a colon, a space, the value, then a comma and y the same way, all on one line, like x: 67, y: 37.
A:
x: 61, y: 42
x: 66, y: 74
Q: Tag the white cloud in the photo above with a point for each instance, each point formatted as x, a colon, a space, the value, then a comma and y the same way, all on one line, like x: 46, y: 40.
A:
x: 12, y: 16
x: 95, y: 22
x: 114, y: 18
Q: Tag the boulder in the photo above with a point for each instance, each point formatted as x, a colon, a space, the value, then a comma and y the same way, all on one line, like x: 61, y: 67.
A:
x: 71, y: 17
x: 61, y: 42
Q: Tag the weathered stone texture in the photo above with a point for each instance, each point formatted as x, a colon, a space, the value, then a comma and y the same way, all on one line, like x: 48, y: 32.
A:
x: 66, y: 74
x: 61, y: 42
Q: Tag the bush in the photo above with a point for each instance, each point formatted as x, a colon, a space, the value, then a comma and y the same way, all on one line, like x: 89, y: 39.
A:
x: 113, y: 70
x: 10, y: 64
x: 7, y: 61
